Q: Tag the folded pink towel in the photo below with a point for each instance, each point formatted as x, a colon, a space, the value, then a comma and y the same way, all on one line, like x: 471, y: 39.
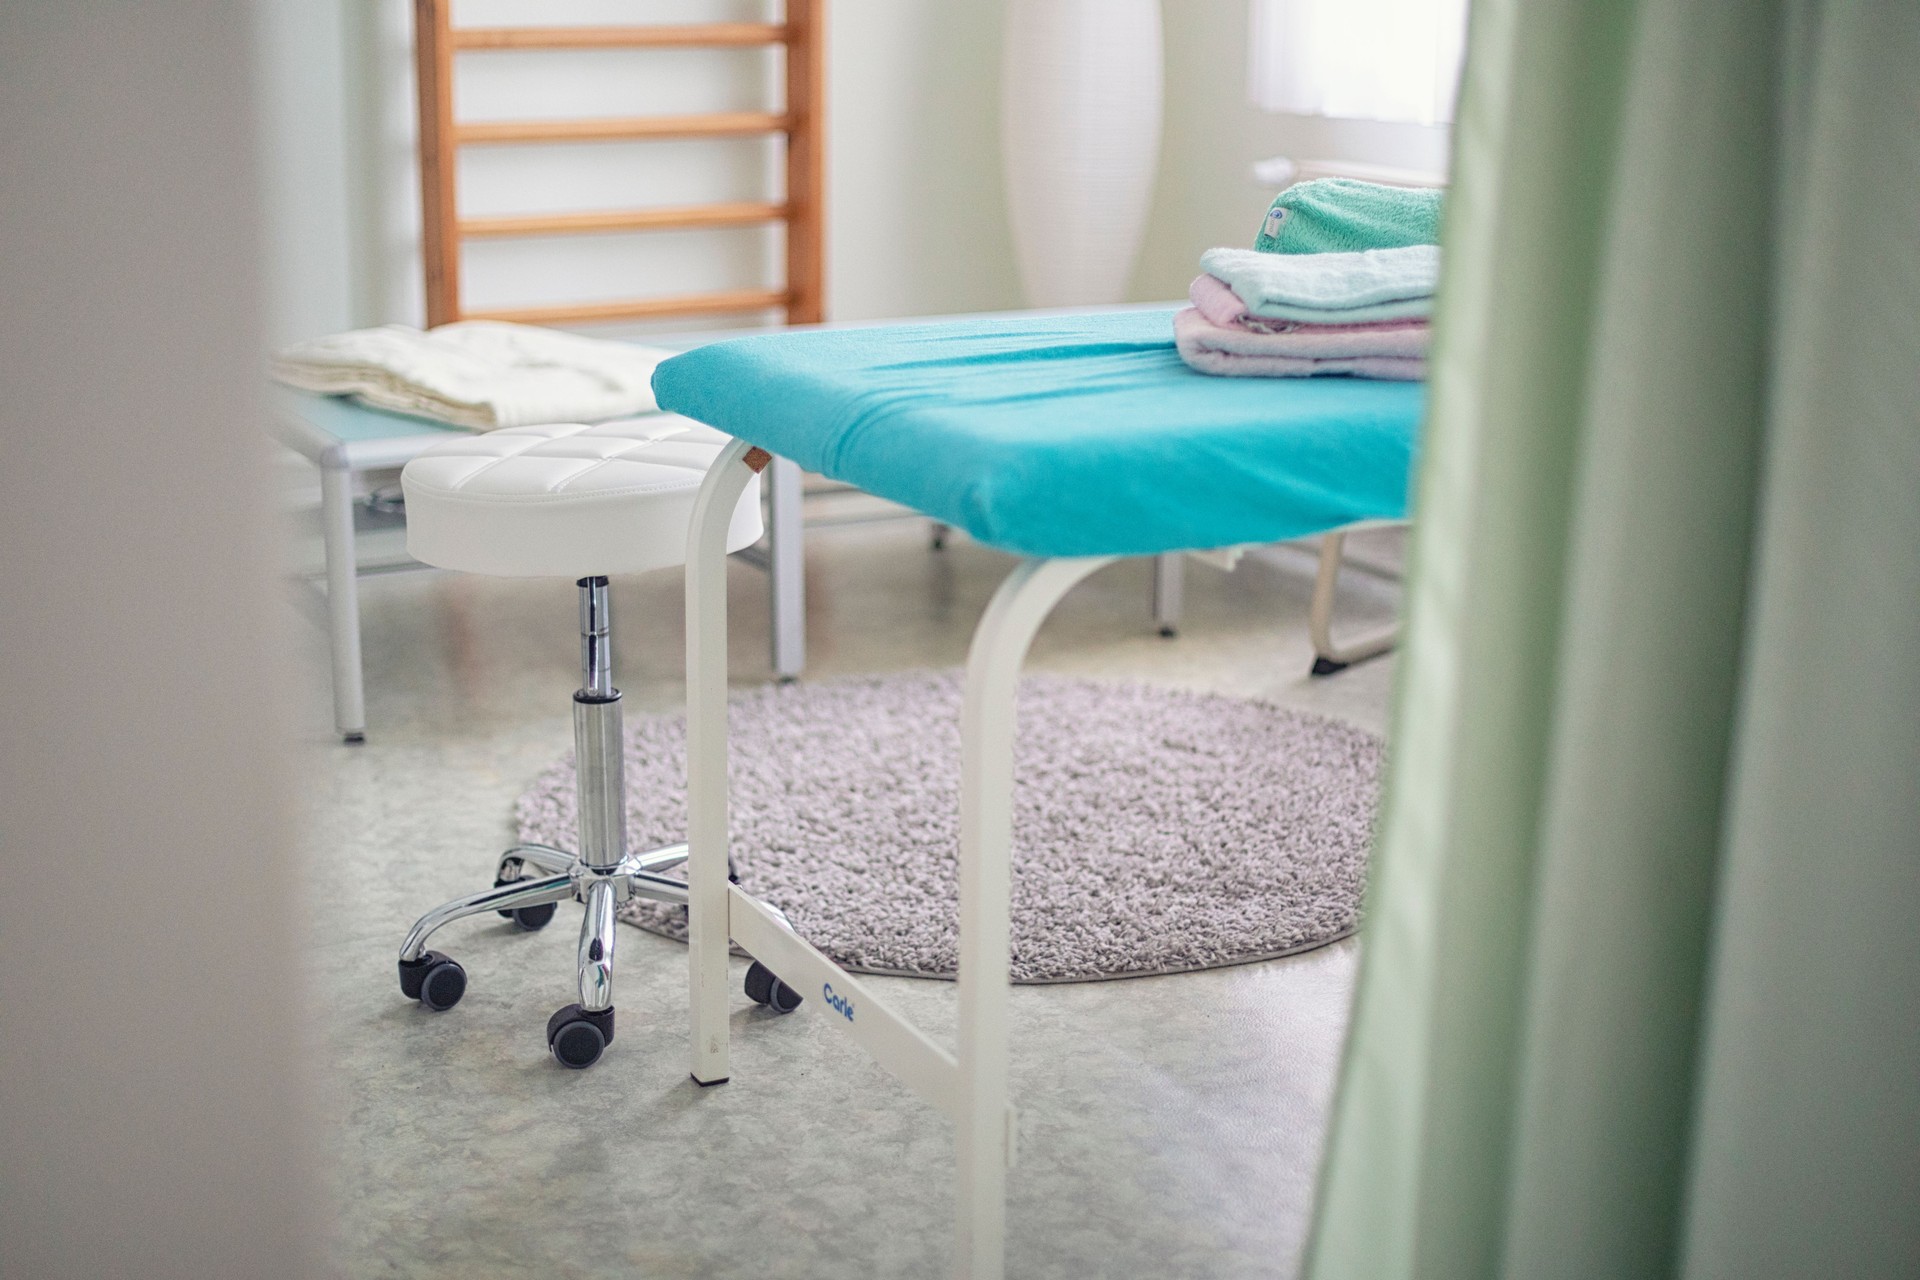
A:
x: 1222, y: 308
x: 1217, y: 349
x: 1212, y: 298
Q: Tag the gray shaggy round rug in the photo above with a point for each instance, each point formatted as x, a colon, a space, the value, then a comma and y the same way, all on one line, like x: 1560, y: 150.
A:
x: 1155, y: 831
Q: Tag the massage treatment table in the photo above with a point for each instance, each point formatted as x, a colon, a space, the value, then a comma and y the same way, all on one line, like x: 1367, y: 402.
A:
x: 1071, y: 441
x: 346, y: 441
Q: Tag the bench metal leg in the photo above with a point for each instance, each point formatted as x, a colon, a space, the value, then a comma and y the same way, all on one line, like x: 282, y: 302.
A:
x: 786, y: 569
x: 343, y: 602
x: 1328, y: 657
x: 1169, y: 591
x: 985, y: 1139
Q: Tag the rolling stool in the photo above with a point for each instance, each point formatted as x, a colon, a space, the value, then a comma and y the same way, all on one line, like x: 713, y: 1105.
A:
x: 571, y: 502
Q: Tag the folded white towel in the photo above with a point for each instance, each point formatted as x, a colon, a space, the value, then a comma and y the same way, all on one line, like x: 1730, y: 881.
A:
x: 478, y: 373
x: 1331, y: 288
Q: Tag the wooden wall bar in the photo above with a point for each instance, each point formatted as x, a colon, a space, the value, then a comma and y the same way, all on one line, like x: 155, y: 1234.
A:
x: 802, y: 120
x: 806, y: 172
x: 706, y: 35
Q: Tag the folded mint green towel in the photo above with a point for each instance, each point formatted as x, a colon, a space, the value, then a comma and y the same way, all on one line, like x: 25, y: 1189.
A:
x: 1330, y: 288
x: 1343, y: 215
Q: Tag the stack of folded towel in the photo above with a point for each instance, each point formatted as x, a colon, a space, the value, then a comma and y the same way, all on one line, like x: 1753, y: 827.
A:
x: 1296, y: 312
x: 1297, y: 315
x: 482, y: 374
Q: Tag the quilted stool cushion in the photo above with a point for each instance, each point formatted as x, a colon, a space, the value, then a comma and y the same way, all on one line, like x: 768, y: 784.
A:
x: 566, y: 501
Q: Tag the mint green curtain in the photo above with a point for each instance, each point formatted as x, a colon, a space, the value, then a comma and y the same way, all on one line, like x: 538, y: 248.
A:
x: 1641, y: 985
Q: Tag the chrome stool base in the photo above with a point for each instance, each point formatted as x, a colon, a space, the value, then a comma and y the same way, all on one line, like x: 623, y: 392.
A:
x: 600, y: 876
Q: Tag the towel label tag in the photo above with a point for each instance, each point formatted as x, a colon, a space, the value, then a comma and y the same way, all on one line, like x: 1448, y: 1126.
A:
x: 1275, y: 216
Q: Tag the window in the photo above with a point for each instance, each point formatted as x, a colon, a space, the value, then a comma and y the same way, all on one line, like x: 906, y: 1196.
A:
x: 1358, y: 59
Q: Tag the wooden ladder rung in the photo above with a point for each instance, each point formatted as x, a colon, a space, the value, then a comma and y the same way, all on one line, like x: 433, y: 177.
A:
x: 691, y: 304
x: 741, y: 213
x: 716, y: 124
x: 684, y: 36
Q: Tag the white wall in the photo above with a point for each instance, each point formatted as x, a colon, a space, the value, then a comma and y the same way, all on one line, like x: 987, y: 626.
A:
x: 303, y: 161
x: 917, y: 221
x: 151, y: 1025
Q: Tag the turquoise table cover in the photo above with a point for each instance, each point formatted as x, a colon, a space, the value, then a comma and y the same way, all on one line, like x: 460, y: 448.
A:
x: 1062, y: 435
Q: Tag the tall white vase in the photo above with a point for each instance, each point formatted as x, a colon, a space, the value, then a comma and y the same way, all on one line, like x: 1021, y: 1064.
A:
x: 1080, y: 135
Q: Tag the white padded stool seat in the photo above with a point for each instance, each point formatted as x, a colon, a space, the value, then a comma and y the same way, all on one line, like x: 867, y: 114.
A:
x: 567, y: 501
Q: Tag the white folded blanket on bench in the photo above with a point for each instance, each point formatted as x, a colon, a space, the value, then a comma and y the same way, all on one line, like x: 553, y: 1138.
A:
x: 478, y: 373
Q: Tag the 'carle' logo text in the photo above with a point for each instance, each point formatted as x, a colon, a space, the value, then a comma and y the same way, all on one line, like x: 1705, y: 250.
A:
x: 839, y: 1004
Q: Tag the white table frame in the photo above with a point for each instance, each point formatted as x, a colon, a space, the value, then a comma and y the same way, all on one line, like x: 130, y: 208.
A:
x: 969, y: 1086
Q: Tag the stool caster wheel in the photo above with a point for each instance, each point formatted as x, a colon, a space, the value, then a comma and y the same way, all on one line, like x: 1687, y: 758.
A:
x: 577, y: 1037
x: 433, y: 980
x: 528, y: 918
x: 764, y: 988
